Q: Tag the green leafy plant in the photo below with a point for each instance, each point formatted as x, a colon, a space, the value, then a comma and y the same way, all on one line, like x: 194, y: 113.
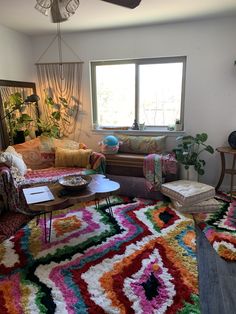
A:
x: 51, y: 126
x: 16, y: 119
x: 190, y: 148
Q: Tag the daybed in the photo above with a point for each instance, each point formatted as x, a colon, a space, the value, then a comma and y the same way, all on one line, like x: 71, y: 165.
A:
x: 141, y: 165
x: 42, y: 160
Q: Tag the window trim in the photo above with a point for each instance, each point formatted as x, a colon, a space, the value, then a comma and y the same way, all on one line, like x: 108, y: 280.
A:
x: 137, y: 62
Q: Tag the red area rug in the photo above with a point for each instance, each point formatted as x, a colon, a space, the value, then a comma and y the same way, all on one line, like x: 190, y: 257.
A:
x: 10, y: 222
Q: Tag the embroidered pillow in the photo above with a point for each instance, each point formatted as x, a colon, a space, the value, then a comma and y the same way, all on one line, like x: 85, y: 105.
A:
x: 67, y: 143
x: 141, y: 144
x: 36, y: 154
x: 72, y: 157
x: 39, y: 153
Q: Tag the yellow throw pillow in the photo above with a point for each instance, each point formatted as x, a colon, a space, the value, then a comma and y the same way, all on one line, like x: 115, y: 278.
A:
x: 72, y: 157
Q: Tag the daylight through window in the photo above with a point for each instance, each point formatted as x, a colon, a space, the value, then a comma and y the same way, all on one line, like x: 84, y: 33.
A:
x: 148, y: 90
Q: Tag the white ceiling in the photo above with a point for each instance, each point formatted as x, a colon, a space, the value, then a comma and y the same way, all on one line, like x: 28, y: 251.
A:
x: 96, y: 14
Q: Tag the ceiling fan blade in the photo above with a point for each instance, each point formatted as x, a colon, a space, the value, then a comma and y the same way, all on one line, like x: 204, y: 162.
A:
x: 125, y: 3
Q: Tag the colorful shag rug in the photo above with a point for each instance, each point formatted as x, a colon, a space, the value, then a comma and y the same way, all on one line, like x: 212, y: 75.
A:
x: 220, y: 227
x: 142, y: 260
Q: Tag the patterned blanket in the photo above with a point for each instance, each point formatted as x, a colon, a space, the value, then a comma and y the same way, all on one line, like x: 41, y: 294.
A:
x: 154, y: 166
x: 11, y: 191
x: 142, y: 260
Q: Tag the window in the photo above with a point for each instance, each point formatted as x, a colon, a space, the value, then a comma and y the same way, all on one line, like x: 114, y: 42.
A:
x: 148, y: 90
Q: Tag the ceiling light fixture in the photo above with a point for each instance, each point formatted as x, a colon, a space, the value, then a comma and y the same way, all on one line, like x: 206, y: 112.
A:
x: 60, y: 10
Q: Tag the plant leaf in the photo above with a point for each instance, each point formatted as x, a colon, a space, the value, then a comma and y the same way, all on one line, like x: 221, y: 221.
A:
x: 202, y: 137
x: 209, y: 149
x: 56, y: 115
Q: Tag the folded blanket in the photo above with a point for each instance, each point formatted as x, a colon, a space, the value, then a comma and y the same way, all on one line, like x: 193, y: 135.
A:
x: 10, y: 194
x: 168, y: 164
x: 154, y: 166
x: 152, y: 170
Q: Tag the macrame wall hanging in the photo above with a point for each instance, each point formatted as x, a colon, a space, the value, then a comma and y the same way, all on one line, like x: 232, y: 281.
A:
x: 60, y: 82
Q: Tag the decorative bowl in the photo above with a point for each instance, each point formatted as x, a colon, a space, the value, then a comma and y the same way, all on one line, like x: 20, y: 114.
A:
x: 75, y: 182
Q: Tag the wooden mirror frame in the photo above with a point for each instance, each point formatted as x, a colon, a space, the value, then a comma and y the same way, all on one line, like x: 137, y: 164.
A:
x: 4, y: 137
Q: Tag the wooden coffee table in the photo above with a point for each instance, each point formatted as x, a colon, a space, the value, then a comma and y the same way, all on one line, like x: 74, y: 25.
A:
x: 99, y: 188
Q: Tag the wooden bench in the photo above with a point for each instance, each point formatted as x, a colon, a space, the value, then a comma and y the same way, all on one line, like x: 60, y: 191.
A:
x: 124, y: 164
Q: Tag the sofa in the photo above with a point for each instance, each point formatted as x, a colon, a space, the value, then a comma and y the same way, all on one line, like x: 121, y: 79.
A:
x: 141, y: 165
x: 40, y: 160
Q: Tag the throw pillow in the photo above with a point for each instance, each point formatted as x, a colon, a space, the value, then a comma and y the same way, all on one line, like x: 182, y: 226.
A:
x: 11, y: 149
x: 141, y: 144
x: 67, y: 143
x: 72, y: 157
x: 12, y: 159
x: 35, y: 155
x: 187, y: 192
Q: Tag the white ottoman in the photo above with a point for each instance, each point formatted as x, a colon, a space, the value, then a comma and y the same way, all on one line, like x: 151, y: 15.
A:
x: 187, y: 193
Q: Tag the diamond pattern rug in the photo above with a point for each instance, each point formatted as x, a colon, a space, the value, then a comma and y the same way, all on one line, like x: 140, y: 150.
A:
x: 142, y: 260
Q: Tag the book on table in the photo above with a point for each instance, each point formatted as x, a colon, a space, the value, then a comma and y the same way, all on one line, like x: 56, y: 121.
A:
x: 38, y: 194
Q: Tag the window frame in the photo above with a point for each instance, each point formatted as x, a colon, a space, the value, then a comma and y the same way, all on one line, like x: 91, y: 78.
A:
x: 138, y: 62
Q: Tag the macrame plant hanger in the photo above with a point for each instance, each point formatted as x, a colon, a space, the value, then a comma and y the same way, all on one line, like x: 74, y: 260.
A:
x: 61, y: 80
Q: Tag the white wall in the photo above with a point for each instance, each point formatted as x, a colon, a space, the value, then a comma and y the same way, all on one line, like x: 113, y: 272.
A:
x: 210, y: 47
x: 16, y: 56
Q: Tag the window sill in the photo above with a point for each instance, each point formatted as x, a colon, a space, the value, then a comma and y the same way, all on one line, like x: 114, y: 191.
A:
x: 140, y: 132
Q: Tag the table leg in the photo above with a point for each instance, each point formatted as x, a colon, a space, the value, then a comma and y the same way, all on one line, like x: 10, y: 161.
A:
x: 109, y: 206
x: 96, y: 204
x: 45, y: 226
x: 232, y: 178
x: 47, y: 234
x: 50, y: 227
x: 222, y: 155
x: 37, y: 219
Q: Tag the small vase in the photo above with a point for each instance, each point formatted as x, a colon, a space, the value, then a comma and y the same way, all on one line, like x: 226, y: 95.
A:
x: 188, y: 174
x: 178, y: 127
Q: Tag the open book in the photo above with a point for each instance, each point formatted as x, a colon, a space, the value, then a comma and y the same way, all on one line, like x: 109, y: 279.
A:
x: 38, y: 194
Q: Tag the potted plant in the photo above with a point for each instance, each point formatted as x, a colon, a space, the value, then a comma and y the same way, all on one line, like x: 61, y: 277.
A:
x: 178, y: 125
x: 188, y: 153
x: 18, y: 122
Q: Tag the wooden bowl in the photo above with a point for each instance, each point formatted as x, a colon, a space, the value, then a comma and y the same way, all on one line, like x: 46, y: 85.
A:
x: 75, y: 182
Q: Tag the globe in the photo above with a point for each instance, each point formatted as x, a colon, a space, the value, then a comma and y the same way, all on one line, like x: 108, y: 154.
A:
x: 110, y: 140
x: 232, y: 140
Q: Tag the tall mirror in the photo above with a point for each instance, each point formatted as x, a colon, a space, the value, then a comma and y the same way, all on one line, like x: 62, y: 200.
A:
x: 18, y: 112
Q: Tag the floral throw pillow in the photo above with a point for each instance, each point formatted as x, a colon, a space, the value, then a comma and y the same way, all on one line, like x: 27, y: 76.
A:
x: 141, y: 144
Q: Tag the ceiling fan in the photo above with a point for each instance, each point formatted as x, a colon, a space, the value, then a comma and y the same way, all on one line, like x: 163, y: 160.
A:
x: 61, y: 10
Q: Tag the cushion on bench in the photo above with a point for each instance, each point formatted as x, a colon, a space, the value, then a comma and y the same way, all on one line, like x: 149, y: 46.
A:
x: 141, y: 144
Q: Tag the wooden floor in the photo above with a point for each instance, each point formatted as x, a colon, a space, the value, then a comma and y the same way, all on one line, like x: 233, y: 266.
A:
x: 217, y: 279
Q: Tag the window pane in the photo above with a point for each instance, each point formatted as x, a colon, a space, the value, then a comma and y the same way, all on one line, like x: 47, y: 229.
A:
x: 115, y: 94
x: 160, y: 87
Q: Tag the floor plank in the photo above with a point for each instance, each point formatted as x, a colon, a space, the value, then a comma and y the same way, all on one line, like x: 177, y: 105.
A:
x: 217, y: 279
